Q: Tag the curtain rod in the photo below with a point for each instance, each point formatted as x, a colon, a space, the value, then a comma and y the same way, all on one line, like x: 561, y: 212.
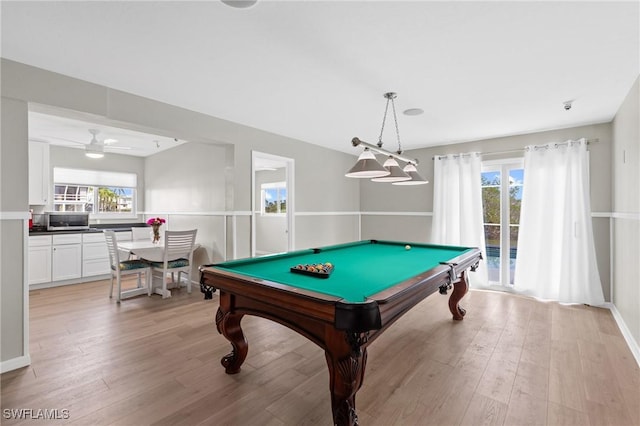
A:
x: 508, y: 151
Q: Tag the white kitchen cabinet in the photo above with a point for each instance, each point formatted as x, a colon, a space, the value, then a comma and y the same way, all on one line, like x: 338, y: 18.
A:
x: 69, y: 258
x: 39, y: 259
x: 95, y: 255
x: 66, y: 257
x: 38, y: 173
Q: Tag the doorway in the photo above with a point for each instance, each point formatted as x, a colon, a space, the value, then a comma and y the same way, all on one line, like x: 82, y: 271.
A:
x: 272, y: 183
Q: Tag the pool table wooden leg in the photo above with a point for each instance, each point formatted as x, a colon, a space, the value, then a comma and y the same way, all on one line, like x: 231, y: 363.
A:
x: 460, y: 288
x: 228, y: 324
x: 347, y: 361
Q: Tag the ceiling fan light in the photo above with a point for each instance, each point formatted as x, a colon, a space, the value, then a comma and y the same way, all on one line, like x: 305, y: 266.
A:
x: 94, y: 151
x: 367, y: 166
x: 396, y: 174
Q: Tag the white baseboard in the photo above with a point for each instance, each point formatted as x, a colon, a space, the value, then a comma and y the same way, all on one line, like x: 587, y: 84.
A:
x: 628, y: 337
x: 15, y: 363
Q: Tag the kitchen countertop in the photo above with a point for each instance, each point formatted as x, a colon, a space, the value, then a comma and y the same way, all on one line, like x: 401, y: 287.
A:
x: 117, y: 227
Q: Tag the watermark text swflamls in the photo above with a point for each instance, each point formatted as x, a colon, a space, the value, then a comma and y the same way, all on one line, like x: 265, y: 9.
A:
x: 35, y: 414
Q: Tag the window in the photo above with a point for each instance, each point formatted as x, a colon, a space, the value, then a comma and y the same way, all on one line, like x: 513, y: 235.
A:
x: 72, y: 198
x: 77, y: 198
x: 501, y: 200
x: 274, y: 198
x: 101, y: 193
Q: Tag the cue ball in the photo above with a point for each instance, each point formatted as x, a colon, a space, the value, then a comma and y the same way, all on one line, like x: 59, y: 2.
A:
x: 407, y: 247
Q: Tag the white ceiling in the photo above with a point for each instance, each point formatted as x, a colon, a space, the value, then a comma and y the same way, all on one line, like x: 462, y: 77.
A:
x: 317, y: 70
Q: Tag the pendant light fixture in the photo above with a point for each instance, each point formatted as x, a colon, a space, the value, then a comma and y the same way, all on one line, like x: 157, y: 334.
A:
x: 368, y: 166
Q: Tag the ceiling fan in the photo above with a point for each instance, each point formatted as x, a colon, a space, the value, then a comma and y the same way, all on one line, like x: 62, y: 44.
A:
x: 96, y: 148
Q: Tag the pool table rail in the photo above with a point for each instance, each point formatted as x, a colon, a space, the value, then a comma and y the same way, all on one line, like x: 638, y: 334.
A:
x: 272, y: 293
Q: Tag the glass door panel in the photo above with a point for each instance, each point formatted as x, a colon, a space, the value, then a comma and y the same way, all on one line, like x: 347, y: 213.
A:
x: 513, y: 250
x: 491, y: 202
x: 501, y: 200
x: 492, y: 246
x: 516, y: 178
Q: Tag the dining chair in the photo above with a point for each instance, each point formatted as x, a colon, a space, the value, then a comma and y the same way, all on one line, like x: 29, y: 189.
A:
x: 140, y: 233
x: 120, y: 268
x: 178, y: 258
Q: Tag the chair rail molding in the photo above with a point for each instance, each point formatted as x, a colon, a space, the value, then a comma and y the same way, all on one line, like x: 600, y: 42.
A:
x: 14, y: 215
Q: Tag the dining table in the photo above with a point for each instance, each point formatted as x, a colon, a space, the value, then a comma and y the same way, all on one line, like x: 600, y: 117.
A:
x: 147, y: 250
x: 144, y: 249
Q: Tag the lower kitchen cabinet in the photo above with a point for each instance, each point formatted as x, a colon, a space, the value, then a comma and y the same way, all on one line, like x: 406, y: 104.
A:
x: 39, y: 259
x: 66, y: 257
x: 60, y: 259
x: 95, y: 255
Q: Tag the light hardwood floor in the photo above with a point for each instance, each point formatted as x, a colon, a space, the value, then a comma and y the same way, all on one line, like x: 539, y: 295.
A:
x: 512, y: 361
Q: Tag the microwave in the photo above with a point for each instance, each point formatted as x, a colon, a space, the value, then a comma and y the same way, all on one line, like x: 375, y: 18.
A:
x: 67, y: 221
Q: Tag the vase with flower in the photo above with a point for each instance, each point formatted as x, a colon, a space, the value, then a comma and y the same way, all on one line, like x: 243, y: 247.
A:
x: 155, y: 223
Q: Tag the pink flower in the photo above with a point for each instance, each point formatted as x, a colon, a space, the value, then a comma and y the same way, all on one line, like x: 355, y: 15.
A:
x: 157, y: 221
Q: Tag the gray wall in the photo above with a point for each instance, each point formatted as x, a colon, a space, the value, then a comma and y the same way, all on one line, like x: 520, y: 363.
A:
x: 187, y: 178
x: 13, y: 198
x: 324, y: 199
x: 316, y: 167
x: 626, y: 209
x: 380, y: 197
x: 186, y: 185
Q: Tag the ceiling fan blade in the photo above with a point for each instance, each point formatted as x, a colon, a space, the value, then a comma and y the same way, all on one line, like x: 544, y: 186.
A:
x: 65, y: 139
x: 97, y: 143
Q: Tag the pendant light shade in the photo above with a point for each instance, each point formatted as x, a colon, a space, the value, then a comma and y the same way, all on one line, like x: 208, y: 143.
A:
x: 416, y: 179
x: 395, y: 172
x: 367, y: 167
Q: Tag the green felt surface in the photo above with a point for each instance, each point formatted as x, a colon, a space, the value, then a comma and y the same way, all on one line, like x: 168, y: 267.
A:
x: 361, y: 269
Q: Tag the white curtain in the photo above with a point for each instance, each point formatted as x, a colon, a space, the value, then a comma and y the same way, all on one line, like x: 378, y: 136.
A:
x: 457, y: 206
x: 556, y: 254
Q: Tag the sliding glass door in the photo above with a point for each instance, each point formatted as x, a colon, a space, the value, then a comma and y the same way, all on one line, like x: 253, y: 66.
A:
x: 501, y: 200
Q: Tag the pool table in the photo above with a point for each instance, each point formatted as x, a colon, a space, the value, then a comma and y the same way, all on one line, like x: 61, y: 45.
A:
x: 371, y: 285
